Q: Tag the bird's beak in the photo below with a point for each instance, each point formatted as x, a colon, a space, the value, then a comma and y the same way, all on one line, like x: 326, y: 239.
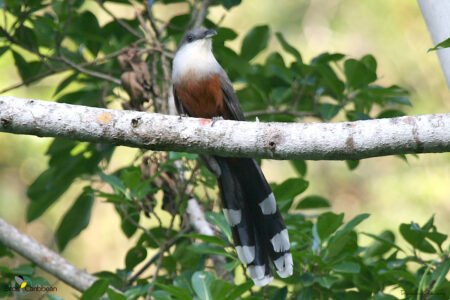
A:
x: 210, y: 33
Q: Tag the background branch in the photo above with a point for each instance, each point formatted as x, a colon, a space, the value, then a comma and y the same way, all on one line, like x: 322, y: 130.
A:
x: 313, y: 141
x: 45, y: 258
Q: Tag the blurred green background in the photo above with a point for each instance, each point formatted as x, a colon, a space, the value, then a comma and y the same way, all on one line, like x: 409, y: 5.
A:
x: 391, y: 190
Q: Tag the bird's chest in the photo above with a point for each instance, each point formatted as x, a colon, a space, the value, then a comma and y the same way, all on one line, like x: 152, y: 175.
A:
x: 201, y: 97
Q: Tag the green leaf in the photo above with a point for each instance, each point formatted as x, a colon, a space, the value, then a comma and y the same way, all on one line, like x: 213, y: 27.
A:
x: 353, y: 223
x: 345, y: 238
x: 230, y: 3
x: 66, y: 82
x: 76, y: 218
x: 4, y: 49
x: 384, y: 242
x: 255, y: 41
x: 239, y: 290
x: 135, y: 256
x: 352, y: 164
x: 220, y: 288
x: 207, y: 249
x: 416, y: 237
x: 160, y: 295
x: 390, y: 113
x: 299, y: 166
x: 290, y: 188
x: 113, y: 295
x: 443, y: 44
x: 26, y: 69
x: 440, y: 274
x: 27, y: 37
x: 287, y: 47
x: 63, y: 169
x: 327, y: 223
x: 280, y: 294
x: 175, y: 291
x: 96, y: 290
x: 347, y: 267
x: 4, y: 251
x: 313, y: 202
x: 23, y: 270
x: 358, y: 74
x: 220, y: 221
x: 329, y: 111
x: 370, y: 62
x: 207, y: 238
x: 201, y: 283
x: 115, y: 182
x: 326, y: 281
x: 129, y: 220
x: 131, y: 177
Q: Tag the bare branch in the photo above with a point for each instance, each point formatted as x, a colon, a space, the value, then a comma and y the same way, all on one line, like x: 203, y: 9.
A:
x: 312, y: 141
x: 90, y: 72
x: 201, y: 14
x: 45, y: 258
x: 119, y: 21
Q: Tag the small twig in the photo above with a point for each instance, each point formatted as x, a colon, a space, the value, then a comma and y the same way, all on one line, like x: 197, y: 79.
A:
x: 132, y: 221
x: 119, y: 21
x: 90, y: 72
x: 165, y: 247
x: 201, y: 14
x: 62, y: 69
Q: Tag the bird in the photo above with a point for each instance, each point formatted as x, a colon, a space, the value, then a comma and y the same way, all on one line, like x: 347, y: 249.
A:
x: 202, y: 89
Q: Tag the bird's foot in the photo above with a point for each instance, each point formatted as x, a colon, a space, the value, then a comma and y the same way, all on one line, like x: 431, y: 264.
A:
x: 215, y: 119
x: 182, y: 116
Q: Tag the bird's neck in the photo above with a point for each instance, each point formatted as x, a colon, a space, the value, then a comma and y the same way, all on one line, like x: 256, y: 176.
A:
x: 194, y: 62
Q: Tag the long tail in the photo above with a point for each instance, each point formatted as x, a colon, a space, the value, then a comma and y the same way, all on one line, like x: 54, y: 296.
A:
x: 259, y: 233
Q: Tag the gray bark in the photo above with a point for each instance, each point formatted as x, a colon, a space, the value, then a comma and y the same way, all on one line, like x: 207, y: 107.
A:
x: 44, y: 257
x: 312, y: 141
x: 437, y: 16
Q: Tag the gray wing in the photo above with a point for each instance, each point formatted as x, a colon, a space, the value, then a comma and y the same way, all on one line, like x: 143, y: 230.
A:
x: 231, y: 98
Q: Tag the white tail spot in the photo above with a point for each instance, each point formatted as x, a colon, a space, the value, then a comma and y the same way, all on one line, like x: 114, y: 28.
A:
x: 263, y: 281
x: 246, y: 254
x: 280, y: 241
x: 257, y: 272
x: 284, y: 265
x: 269, y: 205
x: 233, y: 216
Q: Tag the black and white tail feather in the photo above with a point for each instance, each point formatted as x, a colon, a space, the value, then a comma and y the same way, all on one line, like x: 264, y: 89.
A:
x: 259, y: 233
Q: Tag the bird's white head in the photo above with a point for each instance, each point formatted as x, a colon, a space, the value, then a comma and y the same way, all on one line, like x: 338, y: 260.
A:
x: 194, y: 57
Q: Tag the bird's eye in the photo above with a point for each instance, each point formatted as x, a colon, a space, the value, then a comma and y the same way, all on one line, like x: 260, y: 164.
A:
x: 190, y: 38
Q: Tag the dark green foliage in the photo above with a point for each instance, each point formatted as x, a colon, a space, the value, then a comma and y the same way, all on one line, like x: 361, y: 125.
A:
x: 330, y: 262
x: 76, y: 219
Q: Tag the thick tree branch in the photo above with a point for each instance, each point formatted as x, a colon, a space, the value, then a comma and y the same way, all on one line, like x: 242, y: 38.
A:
x: 312, y: 141
x: 45, y: 258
